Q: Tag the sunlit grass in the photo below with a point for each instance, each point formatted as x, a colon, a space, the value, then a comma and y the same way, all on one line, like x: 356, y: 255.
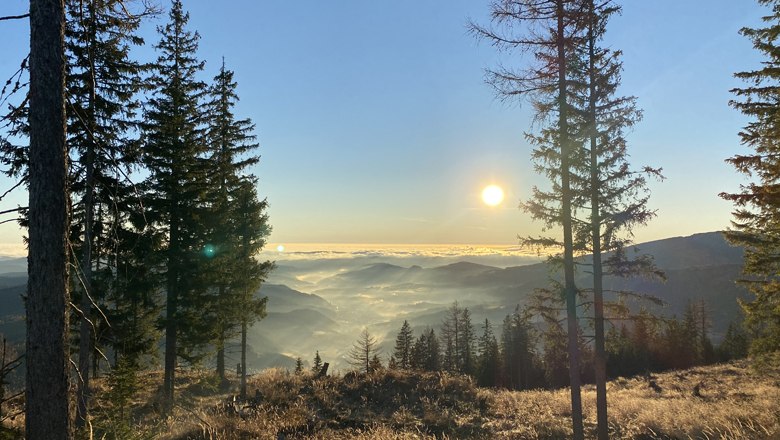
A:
x: 728, y: 401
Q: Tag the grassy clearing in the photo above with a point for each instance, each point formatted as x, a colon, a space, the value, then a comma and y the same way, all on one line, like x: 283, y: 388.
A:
x: 728, y: 401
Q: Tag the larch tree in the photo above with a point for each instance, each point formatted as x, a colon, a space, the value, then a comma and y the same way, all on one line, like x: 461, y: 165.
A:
x: 551, y: 31
x: 174, y: 144
x: 363, y: 352
x: 47, y: 395
x: 613, y: 196
x: 756, y: 224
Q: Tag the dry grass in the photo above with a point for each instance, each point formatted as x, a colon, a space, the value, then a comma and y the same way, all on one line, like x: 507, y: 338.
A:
x: 720, y: 402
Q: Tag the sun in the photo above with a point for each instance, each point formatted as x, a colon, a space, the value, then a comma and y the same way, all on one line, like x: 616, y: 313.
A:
x: 492, y: 195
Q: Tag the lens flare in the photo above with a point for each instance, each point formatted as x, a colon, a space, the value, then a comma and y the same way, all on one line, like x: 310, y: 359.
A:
x: 280, y: 248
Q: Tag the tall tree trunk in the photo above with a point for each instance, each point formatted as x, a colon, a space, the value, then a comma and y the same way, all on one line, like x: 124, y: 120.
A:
x: 221, y: 360
x: 243, y: 359
x: 221, y: 345
x: 85, y: 335
x: 171, y: 307
x: 600, y: 360
x: 46, y: 391
x: 566, y: 221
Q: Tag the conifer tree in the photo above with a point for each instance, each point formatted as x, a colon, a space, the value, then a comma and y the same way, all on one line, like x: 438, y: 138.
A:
x: 316, y: 366
x: 518, y: 352
x: 757, y: 217
x: 363, y: 352
x: 403, y: 346
x: 251, y: 231
x: 426, y: 352
x: 614, y: 197
x: 231, y: 149
x: 102, y: 83
x: 298, y: 366
x: 489, y: 359
x: 550, y: 30
x: 174, y: 142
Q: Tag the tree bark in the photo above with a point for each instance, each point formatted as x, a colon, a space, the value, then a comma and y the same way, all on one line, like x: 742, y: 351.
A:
x: 46, y: 391
x: 243, y: 359
x: 570, y: 290
x: 171, y: 307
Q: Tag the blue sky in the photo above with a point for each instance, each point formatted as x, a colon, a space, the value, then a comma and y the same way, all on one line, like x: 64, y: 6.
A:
x: 376, y: 125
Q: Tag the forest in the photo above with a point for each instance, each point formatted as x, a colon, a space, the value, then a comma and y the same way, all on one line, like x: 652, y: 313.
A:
x: 145, y: 229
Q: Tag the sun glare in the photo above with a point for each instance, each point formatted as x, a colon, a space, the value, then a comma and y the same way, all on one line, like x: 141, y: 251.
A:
x: 492, y: 195
x: 280, y: 248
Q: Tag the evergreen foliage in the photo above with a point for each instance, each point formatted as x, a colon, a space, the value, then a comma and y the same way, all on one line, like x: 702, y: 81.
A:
x: 174, y: 143
x: 756, y: 217
x: 551, y: 31
x: 316, y: 366
x: 402, y: 355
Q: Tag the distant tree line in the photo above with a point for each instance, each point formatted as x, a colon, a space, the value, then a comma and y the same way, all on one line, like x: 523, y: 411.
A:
x: 164, y: 219
x: 529, y: 350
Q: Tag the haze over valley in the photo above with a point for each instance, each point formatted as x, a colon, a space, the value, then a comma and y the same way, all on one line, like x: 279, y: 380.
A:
x: 321, y: 297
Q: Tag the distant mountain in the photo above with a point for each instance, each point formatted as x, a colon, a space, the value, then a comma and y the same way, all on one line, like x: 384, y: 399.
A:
x: 284, y: 299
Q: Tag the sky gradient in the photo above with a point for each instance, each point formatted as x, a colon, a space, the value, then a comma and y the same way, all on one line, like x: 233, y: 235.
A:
x: 376, y: 125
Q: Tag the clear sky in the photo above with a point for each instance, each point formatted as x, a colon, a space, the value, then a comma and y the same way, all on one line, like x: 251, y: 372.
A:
x: 376, y: 125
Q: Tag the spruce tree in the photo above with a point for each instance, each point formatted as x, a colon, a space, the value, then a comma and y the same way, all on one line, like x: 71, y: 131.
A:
x: 756, y: 217
x: 403, y: 346
x: 102, y: 83
x: 316, y: 366
x: 231, y: 149
x: 174, y: 143
x: 251, y: 229
x: 488, y: 364
x: 551, y: 31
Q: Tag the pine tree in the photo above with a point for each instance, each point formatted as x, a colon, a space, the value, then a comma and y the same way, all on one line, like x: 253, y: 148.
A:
x: 403, y: 347
x: 756, y: 217
x: 174, y: 141
x: 298, y: 366
x: 551, y: 33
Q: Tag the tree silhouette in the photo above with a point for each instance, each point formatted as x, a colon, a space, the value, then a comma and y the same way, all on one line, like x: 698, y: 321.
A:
x: 363, y: 352
x: 757, y: 217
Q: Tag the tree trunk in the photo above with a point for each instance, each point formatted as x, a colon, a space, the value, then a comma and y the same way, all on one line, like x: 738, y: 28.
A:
x: 46, y: 391
x: 85, y: 335
x: 600, y: 360
x: 221, y: 361
x: 243, y: 359
x: 171, y: 307
x: 568, y: 242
